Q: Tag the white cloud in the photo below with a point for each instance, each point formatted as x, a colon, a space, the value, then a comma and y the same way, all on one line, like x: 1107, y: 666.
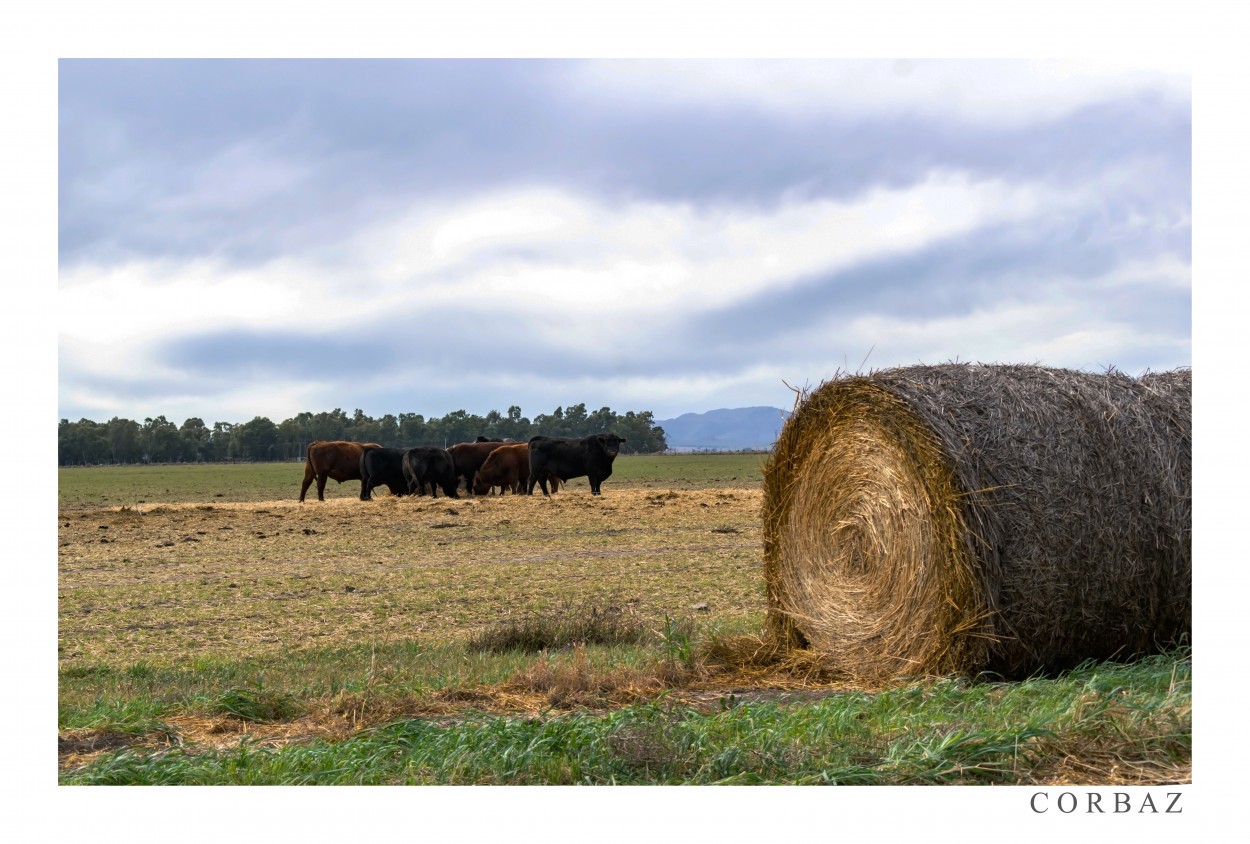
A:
x: 998, y: 92
x: 122, y: 306
x: 544, y: 252
x: 1044, y: 329
x: 1165, y: 272
x: 578, y: 254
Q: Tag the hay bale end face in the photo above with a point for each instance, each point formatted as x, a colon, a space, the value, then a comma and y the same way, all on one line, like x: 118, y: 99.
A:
x: 960, y: 518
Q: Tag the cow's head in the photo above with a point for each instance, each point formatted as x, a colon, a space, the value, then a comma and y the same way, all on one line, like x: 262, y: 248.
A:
x: 610, y: 443
x: 480, y: 487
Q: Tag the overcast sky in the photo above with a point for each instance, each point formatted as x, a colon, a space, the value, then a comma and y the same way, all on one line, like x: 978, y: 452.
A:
x: 243, y: 238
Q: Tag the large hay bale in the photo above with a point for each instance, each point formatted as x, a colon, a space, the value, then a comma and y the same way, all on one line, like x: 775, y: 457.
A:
x: 960, y: 518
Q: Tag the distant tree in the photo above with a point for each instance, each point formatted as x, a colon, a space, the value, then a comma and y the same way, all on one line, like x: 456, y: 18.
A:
x: 292, y: 441
x: 459, y: 426
x: 256, y: 440
x: 330, y: 426
x: 81, y: 443
x: 492, y: 424
x: 222, y: 441
x: 640, y: 433
x: 196, y: 439
x: 515, y: 426
x: 550, y: 424
x: 413, y: 430
x: 575, y: 421
x: 363, y: 428
x: 388, y: 431
x: 125, y: 440
x: 158, y: 439
x: 161, y: 440
x: 600, y: 421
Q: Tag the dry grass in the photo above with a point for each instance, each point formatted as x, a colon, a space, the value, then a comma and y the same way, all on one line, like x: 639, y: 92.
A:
x: 174, y: 582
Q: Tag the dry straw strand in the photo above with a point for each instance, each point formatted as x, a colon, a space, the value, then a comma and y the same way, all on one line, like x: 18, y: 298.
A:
x: 962, y: 518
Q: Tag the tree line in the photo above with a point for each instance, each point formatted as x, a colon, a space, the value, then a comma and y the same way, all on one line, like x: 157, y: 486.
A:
x: 160, y: 441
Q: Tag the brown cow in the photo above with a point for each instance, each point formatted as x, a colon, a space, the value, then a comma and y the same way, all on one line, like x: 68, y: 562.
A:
x: 468, y: 458
x: 335, y: 459
x: 507, y: 467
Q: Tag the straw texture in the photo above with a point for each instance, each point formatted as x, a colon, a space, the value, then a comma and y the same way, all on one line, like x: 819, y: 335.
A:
x: 960, y: 518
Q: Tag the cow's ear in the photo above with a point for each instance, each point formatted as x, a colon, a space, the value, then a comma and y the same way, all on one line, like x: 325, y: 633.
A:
x: 622, y: 439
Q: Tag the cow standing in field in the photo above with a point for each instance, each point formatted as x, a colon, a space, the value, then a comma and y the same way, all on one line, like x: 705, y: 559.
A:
x: 572, y: 458
x: 336, y: 459
x: 469, y: 457
x: 507, y: 467
x: 379, y: 466
x: 427, y: 464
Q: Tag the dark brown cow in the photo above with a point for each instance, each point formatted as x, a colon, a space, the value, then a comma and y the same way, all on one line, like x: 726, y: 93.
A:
x: 468, y: 458
x: 335, y: 459
x: 507, y: 467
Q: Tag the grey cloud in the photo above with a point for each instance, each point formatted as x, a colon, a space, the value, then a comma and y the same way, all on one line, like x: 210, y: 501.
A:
x: 370, y: 137
x: 1040, y: 260
x: 955, y: 277
x: 248, y: 161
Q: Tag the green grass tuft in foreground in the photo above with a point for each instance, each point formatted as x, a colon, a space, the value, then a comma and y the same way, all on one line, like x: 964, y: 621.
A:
x: 1099, y: 724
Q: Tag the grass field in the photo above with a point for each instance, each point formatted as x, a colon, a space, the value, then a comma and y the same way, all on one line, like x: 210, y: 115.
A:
x: 214, y: 630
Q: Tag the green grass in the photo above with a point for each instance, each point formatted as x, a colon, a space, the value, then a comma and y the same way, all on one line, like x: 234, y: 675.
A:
x: 130, y: 486
x: 1134, y: 716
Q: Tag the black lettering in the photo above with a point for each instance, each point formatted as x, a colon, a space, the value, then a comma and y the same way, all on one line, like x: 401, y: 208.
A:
x: 1094, y: 800
x: 1121, y: 799
x: 1074, y: 802
x: 1148, y: 802
x: 1033, y: 802
x: 1176, y: 796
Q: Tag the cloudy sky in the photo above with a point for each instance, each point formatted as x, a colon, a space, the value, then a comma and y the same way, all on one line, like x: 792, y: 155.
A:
x: 264, y: 237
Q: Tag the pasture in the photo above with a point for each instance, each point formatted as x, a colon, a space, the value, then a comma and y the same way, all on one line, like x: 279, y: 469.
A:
x: 212, y: 629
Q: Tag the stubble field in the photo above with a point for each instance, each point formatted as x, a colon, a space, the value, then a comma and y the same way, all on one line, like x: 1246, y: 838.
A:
x: 203, y: 610
x: 163, y: 582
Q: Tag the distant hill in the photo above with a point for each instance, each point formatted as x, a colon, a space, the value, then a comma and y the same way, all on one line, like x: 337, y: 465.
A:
x: 727, y: 428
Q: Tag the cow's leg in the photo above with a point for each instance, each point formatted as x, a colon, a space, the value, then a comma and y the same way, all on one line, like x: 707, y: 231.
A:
x: 321, y: 487
x: 308, y: 479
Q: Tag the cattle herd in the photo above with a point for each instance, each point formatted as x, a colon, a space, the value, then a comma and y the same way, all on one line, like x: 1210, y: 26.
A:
x: 483, y: 465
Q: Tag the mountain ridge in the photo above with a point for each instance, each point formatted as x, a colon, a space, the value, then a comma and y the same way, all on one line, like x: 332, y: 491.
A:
x: 726, y: 428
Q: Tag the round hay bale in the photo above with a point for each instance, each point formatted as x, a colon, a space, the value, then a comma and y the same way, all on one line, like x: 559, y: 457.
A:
x: 961, y: 518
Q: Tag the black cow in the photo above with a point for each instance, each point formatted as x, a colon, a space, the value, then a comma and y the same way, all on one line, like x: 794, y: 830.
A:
x: 382, y: 466
x: 427, y: 464
x: 572, y: 458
